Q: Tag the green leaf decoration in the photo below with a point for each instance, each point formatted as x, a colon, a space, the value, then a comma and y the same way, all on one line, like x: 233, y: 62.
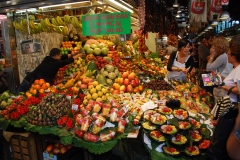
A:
x: 173, y: 121
x: 66, y: 139
x: 4, y: 123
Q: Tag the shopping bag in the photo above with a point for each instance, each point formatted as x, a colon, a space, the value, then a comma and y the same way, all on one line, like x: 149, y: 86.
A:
x: 217, y: 149
x: 222, y: 104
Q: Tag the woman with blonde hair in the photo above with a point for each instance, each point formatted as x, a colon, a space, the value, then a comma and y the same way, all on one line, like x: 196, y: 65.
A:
x: 218, y: 59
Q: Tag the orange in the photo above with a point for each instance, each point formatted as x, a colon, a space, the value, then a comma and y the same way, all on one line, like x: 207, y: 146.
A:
x: 44, y: 86
x: 37, y: 86
x: 41, y: 90
x: 36, y: 81
x: 48, y: 85
x: 41, y: 81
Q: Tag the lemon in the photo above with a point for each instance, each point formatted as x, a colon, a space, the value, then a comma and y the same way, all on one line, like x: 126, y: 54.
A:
x: 88, y: 96
x: 95, y: 83
x: 107, y: 94
x: 98, y: 87
x: 104, y: 97
x: 94, y: 96
x: 85, y: 101
x: 104, y: 90
x: 93, y: 90
x: 99, y: 99
x: 90, y: 87
x: 100, y: 93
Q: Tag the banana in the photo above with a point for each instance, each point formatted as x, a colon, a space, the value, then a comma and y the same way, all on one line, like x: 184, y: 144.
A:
x: 47, y: 22
x: 54, y: 22
x: 59, y: 21
x: 67, y: 19
x: 65, y: 30
x: 74, y: 20
x: 17, y: 25
x: 43, y: 23
x: 32, y: 25
x: 57, y: 29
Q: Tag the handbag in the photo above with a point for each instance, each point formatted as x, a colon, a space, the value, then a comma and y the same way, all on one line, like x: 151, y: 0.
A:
x: 217, y: 149
x: 222, y: 104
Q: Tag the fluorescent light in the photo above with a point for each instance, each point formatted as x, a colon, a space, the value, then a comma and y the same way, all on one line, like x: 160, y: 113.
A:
x: 24, y: 10
x: 122, y: 6
x: 113, y: 9
x: 179, y: 37
x: 224, y: 16
x: 175, y: 4
x: 58, y: 5
x: 126, y: 4
x: 178, y: 15
x: 209, y: 27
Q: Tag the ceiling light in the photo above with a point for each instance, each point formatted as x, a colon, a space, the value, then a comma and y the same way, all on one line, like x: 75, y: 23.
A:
x: 58, y: 5
x: 24, y: 10
x: 224, y: 16
x: 215, y: 21
x: 126, y: 4
x: 122, y: 6
x: 179, y: 10
x: 206, y: 30
x: 178, y: 15
x: 209, y: 27
x: 175, y: 4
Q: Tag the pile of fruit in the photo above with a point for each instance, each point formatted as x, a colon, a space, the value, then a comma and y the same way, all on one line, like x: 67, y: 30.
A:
x: 49, y: 110
x: 39, y: 86
x: 94, y: 47
x: 5, y: 99
x: 108, y: 74
x: 57, y: 148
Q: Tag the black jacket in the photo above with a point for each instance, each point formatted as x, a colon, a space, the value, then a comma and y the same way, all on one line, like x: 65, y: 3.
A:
x: 48, y: 68
x: 189, y: 62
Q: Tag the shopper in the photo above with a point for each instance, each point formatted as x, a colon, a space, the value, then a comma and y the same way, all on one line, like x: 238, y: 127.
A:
x: 203, y: 53
x: 47, y: 69
x: 180, y: 62
x: 233, y: 143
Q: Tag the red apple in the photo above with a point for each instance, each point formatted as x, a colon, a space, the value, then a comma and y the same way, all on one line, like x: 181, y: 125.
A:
x: 125, y: 74
x: 83, y: 86
x: 56, y: 145
x: 123, y: 88
x: 137, y: 81
x: 126, y: 82
x: 63, y: 150
x: 133, y: 83
x: 129, y: 88
x: 136, y: 90
x: 116, y: 92
x: 56, y: 151
x: 131, y: 76
x: 49, y: 148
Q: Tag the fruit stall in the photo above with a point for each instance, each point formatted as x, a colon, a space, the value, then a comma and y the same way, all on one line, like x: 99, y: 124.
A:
x: 117, y: 92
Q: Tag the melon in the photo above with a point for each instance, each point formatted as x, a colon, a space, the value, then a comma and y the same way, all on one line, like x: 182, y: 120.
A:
x: 86, y: 47
x: 104, y: 51
x: 90, y: 51
x: 97, y: 51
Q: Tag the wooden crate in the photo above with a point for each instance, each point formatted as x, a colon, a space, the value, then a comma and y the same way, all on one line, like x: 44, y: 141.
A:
x: 23, y: 147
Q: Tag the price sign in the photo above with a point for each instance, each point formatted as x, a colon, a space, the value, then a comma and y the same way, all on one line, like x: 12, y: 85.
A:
x: 74, y: 107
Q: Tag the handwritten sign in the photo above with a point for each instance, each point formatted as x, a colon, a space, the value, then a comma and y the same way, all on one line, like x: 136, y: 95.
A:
x: 110, y: 23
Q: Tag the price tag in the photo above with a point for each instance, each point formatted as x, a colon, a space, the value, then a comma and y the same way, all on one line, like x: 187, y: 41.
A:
x: 68, y: 97
x: 161, y: 102
x: 74, y: 107
x: 185, y: 94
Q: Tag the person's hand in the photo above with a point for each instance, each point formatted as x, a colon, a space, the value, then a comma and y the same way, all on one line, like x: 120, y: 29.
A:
x: 76, y: 56
x: 184, y: 70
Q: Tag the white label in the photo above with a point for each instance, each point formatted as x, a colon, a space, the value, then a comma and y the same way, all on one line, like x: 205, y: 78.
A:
x: 161, y: 102
x: 185, y: 94
x: 68, y: 97
x: 74, y: 107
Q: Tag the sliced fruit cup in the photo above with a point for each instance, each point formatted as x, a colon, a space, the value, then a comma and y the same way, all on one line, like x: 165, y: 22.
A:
x: 192, y: 151
x: 170, y: 151
x: 204, y: 144
x: 157, y: 136
x: 168, y: 129
x: 180, y: 114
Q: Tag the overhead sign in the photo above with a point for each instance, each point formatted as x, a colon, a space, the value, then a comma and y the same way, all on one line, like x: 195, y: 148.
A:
x: 110, y: 23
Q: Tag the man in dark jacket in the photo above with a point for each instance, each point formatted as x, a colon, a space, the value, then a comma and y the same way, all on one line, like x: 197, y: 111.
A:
x: 47, y: 69
x: 203, y: 53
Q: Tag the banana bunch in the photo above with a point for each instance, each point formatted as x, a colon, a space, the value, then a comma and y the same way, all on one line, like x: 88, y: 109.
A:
x: 32, y: 25
x: 54, y: 22
x: 17, y: 25
x: 47, y: 22
x: 89, y: 73
x: 60, y: 21
x: 58, y: 29
x: 67, y: 19
x: 76, y: 24
x: 65, y: 30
